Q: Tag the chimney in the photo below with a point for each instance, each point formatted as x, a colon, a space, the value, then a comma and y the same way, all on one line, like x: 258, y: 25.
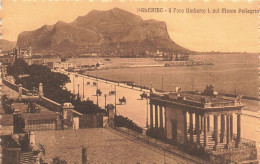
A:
x: 84, y: 155
x: 40, y: 90
x: 32, y: 139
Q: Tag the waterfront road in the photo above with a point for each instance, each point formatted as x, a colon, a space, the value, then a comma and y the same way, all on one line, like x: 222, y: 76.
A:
x: 137, y: 109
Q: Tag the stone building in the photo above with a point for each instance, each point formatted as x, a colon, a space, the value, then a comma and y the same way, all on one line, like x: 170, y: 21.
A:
x: 184, y: 119
x: 19, y: 148
x: 24, y: 121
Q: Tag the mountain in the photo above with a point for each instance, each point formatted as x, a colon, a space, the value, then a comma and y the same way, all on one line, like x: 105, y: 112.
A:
x: 6, y: 45
x: 111, y: 31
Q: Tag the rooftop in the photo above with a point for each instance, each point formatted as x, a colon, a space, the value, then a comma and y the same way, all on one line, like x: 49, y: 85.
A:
x: 197, y: 100
x: 103, y: 146
x: 45, y: 113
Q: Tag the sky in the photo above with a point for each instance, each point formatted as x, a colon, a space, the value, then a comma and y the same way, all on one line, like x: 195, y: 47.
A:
x: 227, y: 32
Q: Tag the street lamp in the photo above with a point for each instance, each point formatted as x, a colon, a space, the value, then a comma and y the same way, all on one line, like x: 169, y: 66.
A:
x: 78, y: 90
x: 162, y: 82
x: 105, y: 101
x: 141, y: 82
x: 147, y: 113
x: 83, y: 89
x: 115, y: 99
x: 97, y: 93
x: 73, y: 84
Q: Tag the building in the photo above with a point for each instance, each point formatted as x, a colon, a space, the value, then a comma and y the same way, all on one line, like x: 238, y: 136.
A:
x: 19, y: 148
x: 184, y: 119
x: 102, y: 146
x: 63, y: 65
x: 7, y: 59
x: 23, y: 52
x: 27, y: 121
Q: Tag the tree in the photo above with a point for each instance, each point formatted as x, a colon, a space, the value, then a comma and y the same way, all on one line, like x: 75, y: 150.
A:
x: 121, y: 121
x: 53, y: 84
x: 7, y: 104
x: 19, y: 67
x: 87, y: 107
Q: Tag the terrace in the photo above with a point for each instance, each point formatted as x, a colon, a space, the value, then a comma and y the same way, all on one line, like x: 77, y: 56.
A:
x: 188, y: 115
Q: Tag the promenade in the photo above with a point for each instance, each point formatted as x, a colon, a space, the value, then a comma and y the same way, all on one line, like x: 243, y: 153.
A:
x: 133, y: 99
x: 136, y: 109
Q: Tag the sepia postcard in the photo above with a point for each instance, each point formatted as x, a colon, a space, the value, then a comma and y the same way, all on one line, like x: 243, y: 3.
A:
x: 129, y: 81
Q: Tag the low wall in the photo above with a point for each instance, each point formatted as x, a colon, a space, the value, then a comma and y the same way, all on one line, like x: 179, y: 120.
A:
x: 239, y: 155
x: 90, y: 121
x: 244, y: 97
x: 51, y: 105
x: 10, y: 85
x: 14, y: 86
x: 86, y: 121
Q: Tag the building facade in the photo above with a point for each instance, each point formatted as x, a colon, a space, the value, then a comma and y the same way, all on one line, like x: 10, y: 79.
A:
x: 185, y: 118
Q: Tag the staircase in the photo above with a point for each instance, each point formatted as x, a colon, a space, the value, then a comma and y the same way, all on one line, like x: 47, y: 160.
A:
x: 28, y: 157
x: 211, y: 141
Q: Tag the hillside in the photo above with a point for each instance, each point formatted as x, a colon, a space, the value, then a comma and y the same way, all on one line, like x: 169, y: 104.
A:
x: 113, y: 31
x: 6, y: 45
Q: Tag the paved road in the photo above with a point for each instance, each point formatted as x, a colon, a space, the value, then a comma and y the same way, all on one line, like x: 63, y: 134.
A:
x: 133, y: 99
x: 136, y: 109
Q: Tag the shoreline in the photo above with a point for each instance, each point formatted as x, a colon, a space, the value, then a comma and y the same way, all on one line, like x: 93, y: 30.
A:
x: 104, y: 65
x: 131, y: 85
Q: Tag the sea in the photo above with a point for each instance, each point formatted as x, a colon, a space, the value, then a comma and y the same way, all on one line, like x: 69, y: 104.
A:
x: 230, y: 73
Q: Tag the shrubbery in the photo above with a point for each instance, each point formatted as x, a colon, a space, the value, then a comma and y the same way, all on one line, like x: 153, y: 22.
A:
x: 7, y: 104
x: 53, y: 85
x: 156, y: 133
x: 121, y: 121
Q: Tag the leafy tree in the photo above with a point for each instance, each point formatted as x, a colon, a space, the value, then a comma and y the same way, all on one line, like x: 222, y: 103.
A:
x: 19, y: 67
x: 7, y: 104
x: 121, y: 121
x: 53, y: 84
x: 19, y: 121
x: 87, y: 107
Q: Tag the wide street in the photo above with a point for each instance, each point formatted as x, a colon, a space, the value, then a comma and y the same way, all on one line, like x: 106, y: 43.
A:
x: 132, y: 96
x: 137, y: 109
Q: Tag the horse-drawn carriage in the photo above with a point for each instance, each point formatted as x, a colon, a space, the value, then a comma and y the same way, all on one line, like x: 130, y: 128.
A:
x: 98, y: 92
x: 112, y: 93
x: 143, y: 95
x: 94, y: 84
x: 122, y: 100
x: 88, y: 83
